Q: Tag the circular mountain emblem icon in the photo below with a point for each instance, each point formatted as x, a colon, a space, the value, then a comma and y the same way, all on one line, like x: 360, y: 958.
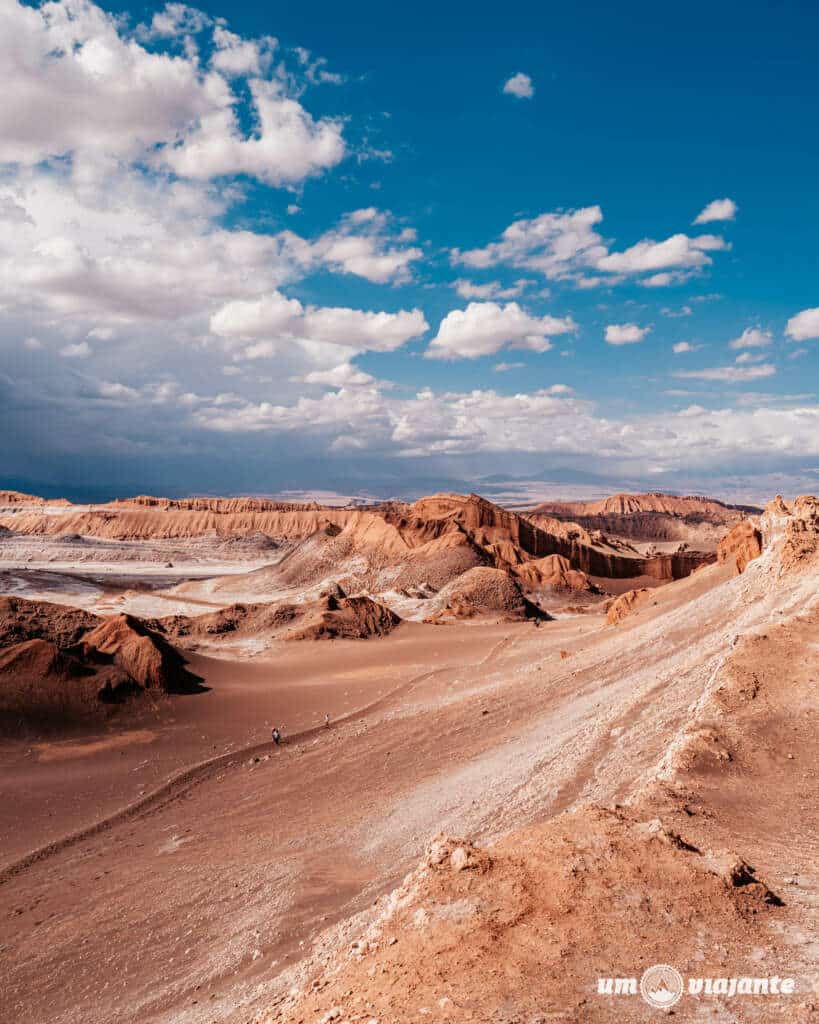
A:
x: 661, y: 986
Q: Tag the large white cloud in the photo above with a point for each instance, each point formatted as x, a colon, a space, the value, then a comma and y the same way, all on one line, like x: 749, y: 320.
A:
x: 568, y: 246
x: 257, y: 318
x: 77, y: 84
x: 124, y: 247
x: 677, y: 251
x: 121, y: 273
x: 804, y: 325
x: 82, y: 85
x: 484, y: 328
x: 554, y: 244
x: 289, y: 145
x: 275, y: 318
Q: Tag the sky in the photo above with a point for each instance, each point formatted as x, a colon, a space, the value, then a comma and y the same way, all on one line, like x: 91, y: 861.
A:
x: 368, y: 250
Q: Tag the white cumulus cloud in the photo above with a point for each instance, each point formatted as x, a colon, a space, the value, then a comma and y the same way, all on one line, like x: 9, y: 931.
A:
x: 717, y: 209
x: 625, y: 334
x: 484, y: 328
x: 804, y: 325
x: 489, y: 290
x: 555, y: 244
x: 275, y: 320
x: 84, y: 86
x: 364, y: 245
x: 288, y: 146
x: 752, y: 337
x: 677, y: 251
x: 344, y: 375
x: 567, y: 245
x: 519, y: 85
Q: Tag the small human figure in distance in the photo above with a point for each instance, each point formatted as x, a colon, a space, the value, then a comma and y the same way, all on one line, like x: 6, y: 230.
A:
x: 327, y: 721
x: 277, y: 736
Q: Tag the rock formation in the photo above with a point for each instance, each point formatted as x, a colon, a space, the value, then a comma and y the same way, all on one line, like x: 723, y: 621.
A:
x: 144, y: 655
x: 698, y: 521
x: 556, y: 572
x: 486, y: 592
x: 740, y: 545
x: 332, y: 616
x: 40, y: 620
x: 58, y: 665
x: 500, y: 933
x: 403, y: 545
x: 625, y: 604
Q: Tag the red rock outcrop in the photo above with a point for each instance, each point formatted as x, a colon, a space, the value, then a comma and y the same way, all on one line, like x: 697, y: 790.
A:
x: 554, y: 571
x: 801, y: 545
x: 21, y: 620
x: 332, y: 616
x: 144, y: 655
x: 652, y: 517
x: 60, y: 661
x: 222, y: 506
x: 41, y: 685
x: 625, y: 604
x: 484, y: 591
x: 509, y: 539
x: 740, y: 546
x: 445, y: 534
x: 499, y: 934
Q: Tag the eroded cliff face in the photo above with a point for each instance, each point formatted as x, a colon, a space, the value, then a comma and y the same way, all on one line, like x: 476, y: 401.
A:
x: 652, y: 502
x: 136, y: 523
x: 224, y: 506
x: 740, y: 546
x: 698, y: 521
x: 512, y: 540
x: 433, y: 526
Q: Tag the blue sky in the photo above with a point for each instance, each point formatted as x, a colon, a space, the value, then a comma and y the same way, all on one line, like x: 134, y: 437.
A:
x: 372, y: 251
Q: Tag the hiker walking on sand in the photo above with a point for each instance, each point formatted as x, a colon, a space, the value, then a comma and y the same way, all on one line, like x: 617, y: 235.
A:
x: 277, y: 737
x: 327, y: 721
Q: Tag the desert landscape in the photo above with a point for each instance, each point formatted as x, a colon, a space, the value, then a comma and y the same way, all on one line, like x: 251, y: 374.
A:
x: 409, y: 532
x: 520, y: 751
